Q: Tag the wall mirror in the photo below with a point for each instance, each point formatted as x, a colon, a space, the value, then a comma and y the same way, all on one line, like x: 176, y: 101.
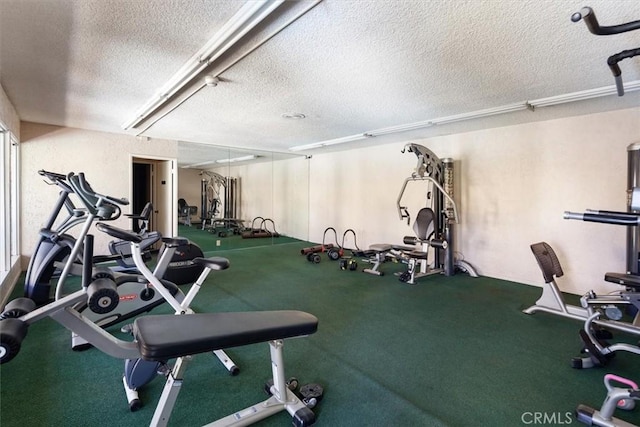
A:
x: 241, y: 197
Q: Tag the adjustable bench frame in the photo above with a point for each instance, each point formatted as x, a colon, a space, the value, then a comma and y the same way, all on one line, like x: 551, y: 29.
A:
x: 164, y: 337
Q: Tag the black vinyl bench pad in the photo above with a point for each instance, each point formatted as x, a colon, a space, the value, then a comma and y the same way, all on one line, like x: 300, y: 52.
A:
x: 163, y: 337
x: 629, y: 280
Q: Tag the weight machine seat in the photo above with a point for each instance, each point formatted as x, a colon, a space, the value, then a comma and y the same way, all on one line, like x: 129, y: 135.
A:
x: 214, y: 263
x: 628, y: 280
x: 163, y: 337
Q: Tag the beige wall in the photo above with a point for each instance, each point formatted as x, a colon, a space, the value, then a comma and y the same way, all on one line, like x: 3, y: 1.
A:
x: 104, y: 158
x: 513, y: 185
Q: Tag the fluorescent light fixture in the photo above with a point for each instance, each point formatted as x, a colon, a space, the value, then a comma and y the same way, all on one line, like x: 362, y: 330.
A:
x: 326, y: 143
x: 211, y: 162
x: 249, y: 15
x: 399, y: 128
x: 503, y: 109
x: 196, y: 165
x: 449, y: 119
x: 238, y: 159
x: 583, y: 95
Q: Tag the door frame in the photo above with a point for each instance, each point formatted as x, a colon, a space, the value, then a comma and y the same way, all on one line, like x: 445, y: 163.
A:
x: 164, y: 194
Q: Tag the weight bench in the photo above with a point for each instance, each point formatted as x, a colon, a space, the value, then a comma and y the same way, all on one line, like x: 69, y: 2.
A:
x: 163, y: 337
x: 379, y: 253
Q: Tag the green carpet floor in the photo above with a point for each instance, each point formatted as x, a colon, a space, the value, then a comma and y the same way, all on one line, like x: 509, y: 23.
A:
x: 453, y: 351
x: 209, y: 241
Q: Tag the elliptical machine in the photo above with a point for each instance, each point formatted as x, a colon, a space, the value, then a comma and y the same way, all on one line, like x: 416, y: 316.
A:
x: 58, y: 253
x: 135, y: 294
x: 55, y: 245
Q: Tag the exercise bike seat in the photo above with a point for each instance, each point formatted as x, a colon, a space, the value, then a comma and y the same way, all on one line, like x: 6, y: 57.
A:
x: 163, y: 337
x: 627, y: 280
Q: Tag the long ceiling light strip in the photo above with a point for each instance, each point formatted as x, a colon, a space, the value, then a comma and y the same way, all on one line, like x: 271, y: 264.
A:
x: 504, y: 109
x: 249, y: 15
x: 231, y: 160
x: 329, y: 142
x: 195, y: 165
x: 400, y: 128
x: 212, y: 80
x: 583, y: 95
x: 238, y: 159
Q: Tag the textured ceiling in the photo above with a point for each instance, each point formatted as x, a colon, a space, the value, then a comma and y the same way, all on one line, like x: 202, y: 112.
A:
x: 348, y: 66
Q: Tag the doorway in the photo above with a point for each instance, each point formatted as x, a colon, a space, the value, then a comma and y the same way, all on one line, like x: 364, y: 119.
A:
x: 153, y: 181
x: 141, y: 190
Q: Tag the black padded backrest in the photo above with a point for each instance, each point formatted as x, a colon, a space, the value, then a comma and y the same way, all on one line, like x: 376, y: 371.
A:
x: 146, y: 211
x: 143, y: 219
x: 547, y: 260
x: 423, y: 226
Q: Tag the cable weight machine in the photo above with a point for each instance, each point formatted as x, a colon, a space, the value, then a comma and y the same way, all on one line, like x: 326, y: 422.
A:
x: 630, y: 218
x: 633, y: 233
x: 219, y: 203
x: 601, y: 311
x: 434, y: 224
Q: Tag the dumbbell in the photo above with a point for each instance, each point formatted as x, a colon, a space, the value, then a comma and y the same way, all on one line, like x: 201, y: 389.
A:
x: 348, y: 264
x: 313, y: 257
x: 334, y: 254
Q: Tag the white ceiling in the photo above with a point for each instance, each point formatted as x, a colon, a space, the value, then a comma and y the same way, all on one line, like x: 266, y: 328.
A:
x: 349, y: 66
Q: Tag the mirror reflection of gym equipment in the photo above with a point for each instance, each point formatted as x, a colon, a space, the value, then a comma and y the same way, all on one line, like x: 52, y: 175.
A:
x: 219, y: 204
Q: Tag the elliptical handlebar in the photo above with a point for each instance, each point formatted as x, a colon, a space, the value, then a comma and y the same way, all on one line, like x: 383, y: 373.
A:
x: 102, y: 206
x: 56, y: 179
x: 87, y: 188
x: 53, y: 176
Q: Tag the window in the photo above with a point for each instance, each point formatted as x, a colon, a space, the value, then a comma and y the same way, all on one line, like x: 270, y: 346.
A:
x: 9, y: 191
